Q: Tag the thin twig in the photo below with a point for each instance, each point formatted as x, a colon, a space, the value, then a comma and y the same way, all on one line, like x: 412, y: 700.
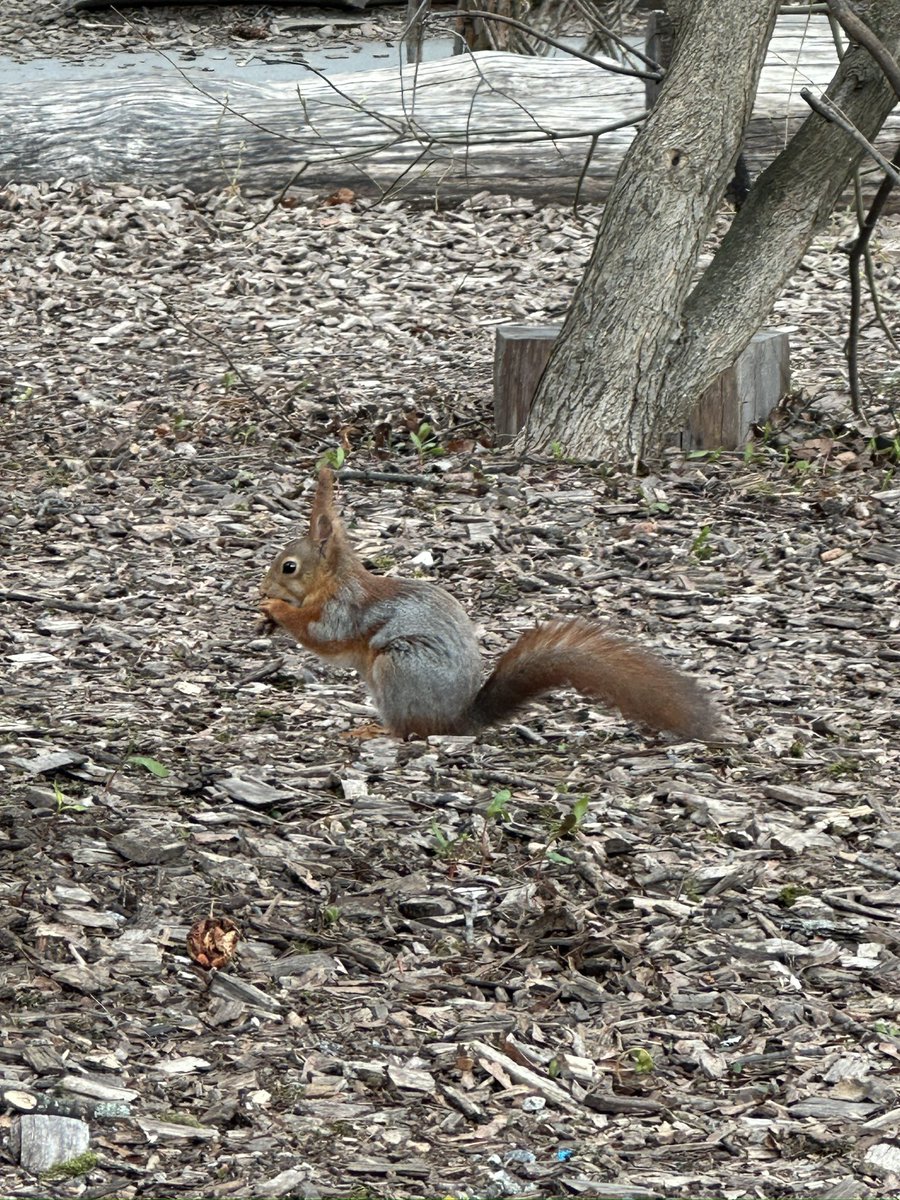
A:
x: 583, y: 174
x: 851, y: 346
x: 603, y: 64
x: 589, y: 13
x: 432, y: 481
x: 224, y: 105
x: 281, y: 195
x: 830, y: 112
x: 860, y: 250
x: 858, y: 31
x: 873, y: 289
x: 52, y: 602
x: 218, y: 347
x: 414, y: 26
x: 540, y: 135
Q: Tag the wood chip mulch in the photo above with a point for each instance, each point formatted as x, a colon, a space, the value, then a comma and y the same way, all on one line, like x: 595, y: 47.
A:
x: 439, y: 988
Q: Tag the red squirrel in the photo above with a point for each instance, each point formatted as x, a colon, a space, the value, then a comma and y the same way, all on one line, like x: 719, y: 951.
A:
x: 415, y: 646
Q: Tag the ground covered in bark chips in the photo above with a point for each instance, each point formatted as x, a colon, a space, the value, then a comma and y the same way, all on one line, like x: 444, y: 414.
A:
x: 562, y: 958
x: 446, y: 984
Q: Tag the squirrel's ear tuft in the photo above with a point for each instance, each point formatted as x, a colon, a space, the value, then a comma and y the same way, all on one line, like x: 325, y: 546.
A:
x: 325, y: 489
x: 323, y: 502
x: 321, y: 529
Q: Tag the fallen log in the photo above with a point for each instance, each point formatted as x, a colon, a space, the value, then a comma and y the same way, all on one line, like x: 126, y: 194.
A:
x: 488, y: 120
x: 483, y: 119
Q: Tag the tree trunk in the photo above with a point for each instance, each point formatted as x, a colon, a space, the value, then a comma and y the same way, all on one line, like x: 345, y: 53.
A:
x: 639, y: 345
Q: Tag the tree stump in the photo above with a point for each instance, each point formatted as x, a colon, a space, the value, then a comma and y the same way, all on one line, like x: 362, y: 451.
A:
x: 520, y: 355
x: 741, y: 397
x: 45, y: 1141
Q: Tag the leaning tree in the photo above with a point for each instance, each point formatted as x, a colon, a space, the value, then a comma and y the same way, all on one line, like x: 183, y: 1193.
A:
x: 644, y: 337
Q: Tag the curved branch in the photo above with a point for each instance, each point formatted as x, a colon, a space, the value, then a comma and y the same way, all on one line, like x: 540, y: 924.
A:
x: 859, y: 31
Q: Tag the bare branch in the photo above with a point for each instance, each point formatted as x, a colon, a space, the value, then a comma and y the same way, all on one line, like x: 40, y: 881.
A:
x: 219, y: 347
x: 857, y: 251
x: 831, y: 113
x: 590, y: 15
x: 584, y: 170
x: 603, y: 63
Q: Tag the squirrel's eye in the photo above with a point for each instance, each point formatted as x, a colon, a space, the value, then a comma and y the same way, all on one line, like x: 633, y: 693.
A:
x: 289, y: 567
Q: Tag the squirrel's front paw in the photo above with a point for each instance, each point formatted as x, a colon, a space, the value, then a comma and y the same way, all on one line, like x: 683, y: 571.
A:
x: 270, y: 616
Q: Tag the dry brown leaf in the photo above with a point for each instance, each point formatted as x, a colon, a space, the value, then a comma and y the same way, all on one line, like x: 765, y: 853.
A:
x: 212, y: 942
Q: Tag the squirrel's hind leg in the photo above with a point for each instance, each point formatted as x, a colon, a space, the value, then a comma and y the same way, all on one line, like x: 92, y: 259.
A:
x: 417, y: 692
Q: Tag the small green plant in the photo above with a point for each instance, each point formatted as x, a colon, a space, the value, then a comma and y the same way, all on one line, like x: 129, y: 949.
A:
x: 73, y: 1167
x: 841, y: 767
x: 425, y: 441
x: 761, y: 489
x: 791, y: 893
x: 700, y: 547
x: 565, y: 828
x: 690, y: 890
x: 246, y: 434
x: 753, y: 454
x: 63, y: 804
x: 331, y: 915
x: 557, y: 451
x: 333, y: 458
x: 885, y: 448
x: 499, y: 805
x: 58, y: 476
x: 229, y: 379
x: 23, y: 394
x: 445, y: 845
x: 575, y: 817
x: 149, y: 764
x: 767, y: 433
x: 173, y: 1117
x: 642, y: 1059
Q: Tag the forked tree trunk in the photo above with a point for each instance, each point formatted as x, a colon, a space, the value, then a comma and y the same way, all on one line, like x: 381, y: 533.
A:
x: 640, y: 343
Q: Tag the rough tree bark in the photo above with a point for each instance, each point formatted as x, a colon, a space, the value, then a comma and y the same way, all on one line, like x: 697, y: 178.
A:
x: 640, y: 343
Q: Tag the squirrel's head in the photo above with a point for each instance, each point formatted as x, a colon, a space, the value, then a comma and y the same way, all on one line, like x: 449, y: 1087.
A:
x: 307, y: 564
x: 293, y: 574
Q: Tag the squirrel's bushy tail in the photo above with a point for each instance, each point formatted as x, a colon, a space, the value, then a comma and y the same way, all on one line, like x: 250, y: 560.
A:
x: 578, y: 654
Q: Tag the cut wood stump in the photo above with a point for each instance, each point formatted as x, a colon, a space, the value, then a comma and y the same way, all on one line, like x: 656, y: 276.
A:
x: 741, y: 397
x: 520, y: 355
x: 47, y: 1141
